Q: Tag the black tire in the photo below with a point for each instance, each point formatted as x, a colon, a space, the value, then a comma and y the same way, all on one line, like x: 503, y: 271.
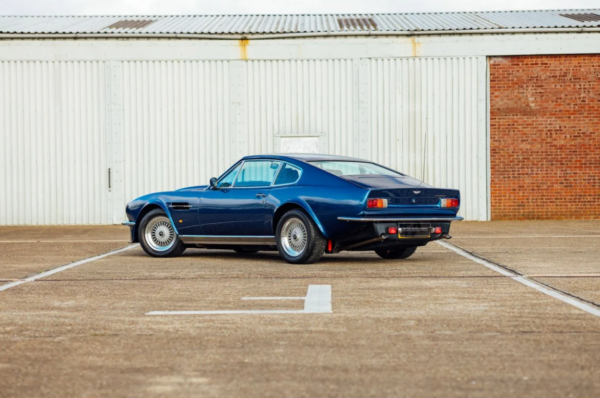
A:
x: 153, y: 248
x: 314, y: 246
x: 396, y: 253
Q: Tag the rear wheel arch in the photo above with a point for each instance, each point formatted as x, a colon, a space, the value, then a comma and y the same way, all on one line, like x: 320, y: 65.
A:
x: 281, y: 210
x: 298, y: 239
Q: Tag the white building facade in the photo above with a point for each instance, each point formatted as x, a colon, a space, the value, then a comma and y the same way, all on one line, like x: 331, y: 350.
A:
x: 89, y: 121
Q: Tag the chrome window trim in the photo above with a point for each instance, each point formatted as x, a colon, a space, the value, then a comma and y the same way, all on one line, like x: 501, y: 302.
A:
x: 227, y: 173
x: 258, y: 186
x: 354, y: 161
x: 277, y: 173
x: 289, y: 183
x: 241, y: 163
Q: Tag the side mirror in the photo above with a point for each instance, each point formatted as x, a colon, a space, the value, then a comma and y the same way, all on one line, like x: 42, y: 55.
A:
x: 213, y: 183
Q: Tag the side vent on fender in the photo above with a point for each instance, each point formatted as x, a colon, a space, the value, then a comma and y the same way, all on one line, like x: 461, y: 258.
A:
x: 180, y: 205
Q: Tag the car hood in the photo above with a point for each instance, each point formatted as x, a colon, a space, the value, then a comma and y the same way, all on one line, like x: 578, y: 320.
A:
x: 194, y: 188
x: 385, y: 182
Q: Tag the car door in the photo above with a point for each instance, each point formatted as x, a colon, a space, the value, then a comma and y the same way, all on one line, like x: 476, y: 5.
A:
x: 239, y: 206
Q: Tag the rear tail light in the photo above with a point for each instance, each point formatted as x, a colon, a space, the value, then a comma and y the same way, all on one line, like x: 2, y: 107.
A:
x: 377, y: 203
x: 437, y: 230
x: 392, y: 230
x: 449, y: 202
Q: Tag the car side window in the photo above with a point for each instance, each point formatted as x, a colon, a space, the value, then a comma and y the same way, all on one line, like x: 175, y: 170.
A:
x: 227, y: 181
x: 258, y: 173
x: 288, y: 175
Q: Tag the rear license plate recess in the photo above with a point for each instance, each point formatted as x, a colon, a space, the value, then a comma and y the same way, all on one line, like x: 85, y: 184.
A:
x: 414, y: 230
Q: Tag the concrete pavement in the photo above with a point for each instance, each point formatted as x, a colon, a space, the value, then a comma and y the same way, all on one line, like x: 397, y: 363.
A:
x: 437, y: 324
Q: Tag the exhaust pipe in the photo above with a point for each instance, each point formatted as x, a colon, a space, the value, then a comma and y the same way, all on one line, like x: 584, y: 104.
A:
x: 359, y: 244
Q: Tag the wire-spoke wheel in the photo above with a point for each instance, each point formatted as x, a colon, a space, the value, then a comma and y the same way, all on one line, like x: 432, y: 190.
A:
x: 157, y: 235
x: 294, y: 237
x: 299, y: 240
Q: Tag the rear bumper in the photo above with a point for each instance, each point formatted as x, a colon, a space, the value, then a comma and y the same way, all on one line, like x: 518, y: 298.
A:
x: 400, y: 219
x: 369, y: 233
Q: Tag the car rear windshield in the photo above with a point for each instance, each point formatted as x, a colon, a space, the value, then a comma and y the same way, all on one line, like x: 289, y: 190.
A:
x: 354, y: 168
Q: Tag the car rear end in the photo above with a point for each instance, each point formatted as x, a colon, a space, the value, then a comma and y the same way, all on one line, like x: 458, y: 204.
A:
x: 396, y: 209
x: 411, y: 216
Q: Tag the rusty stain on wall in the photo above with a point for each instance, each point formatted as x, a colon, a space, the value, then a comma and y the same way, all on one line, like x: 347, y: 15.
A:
x: 244, y: 49
x: 416, y: 47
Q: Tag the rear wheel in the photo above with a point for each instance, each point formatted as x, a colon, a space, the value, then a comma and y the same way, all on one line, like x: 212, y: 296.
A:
x: 157, y: 235
x: 396, y: 253
x: 299, y: 241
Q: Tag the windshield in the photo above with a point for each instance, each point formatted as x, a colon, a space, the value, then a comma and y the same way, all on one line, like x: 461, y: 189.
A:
x: 354, y: 168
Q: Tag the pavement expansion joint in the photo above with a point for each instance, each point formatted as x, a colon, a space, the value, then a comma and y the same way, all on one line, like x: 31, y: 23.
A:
x: 564, y: 276
x: 567, y: 293
x: 576, y: 301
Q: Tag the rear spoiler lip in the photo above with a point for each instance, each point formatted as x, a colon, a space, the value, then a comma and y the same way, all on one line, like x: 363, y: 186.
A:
x: 403, y: 219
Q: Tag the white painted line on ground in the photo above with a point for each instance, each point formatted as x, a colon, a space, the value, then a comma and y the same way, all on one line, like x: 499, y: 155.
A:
x: 273, y: 298
x: 62, y: 241
x: 476, y: 259
x: 226, y: 312
x: 64, y: 268
x: 527, y: 282
x: 317, y: 301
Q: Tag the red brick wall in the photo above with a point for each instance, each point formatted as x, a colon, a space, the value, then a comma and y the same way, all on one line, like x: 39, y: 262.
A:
x: 545, y: 137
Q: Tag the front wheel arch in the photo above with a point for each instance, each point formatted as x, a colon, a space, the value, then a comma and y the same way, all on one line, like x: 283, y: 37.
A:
x: 147, y: 209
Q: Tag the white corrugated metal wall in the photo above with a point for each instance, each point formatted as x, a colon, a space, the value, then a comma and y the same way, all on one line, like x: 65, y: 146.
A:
x: 53, y: 163
x: 428, y: 119
x: 161, y: 125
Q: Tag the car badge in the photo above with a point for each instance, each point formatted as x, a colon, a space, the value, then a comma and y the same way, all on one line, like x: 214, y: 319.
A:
x: 416, y: 192
x: 414, y: 201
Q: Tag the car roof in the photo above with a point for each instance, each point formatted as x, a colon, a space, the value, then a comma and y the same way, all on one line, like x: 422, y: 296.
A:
x: 305, y: 157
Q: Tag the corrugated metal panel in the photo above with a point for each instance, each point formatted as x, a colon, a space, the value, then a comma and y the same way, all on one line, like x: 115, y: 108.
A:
x: 53, y: 155
x: 427, y: 119
x: 176, y: 123
x: 162, y: 125
x: 181, y: 116
x: 300, y: 98
x: 273, y: 24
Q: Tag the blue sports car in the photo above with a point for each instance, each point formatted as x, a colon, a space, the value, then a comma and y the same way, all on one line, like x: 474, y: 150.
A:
x: 301, y: 205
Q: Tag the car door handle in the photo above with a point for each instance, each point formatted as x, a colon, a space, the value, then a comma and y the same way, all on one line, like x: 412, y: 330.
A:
x: 261, y: 195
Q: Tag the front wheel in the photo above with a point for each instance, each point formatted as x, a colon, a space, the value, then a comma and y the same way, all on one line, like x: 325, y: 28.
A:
x: 396, y: 253
x: 157, y: 235
x: 299, y: 241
